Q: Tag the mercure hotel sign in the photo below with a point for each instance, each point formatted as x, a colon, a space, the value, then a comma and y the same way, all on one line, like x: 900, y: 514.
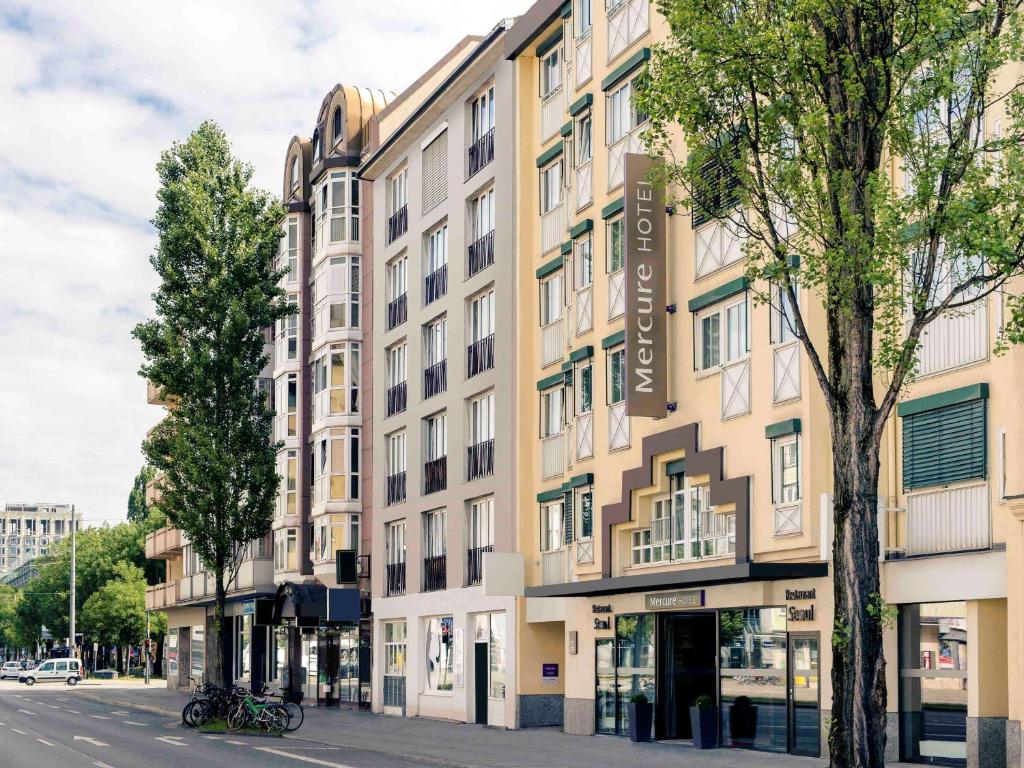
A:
x: 646, y: 341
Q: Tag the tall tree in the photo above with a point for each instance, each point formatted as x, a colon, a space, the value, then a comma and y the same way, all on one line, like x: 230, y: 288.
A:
x: 138, y: 509
x: 205, y: 348
x: 115, y: 614
x: 801, y: 119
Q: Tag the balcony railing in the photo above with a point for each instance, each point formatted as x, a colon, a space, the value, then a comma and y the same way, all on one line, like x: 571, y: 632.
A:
x: 163, y: 543
x: 435, y: 379
x: 397, y: 398
x: 481, y: 253
x: 480, y: 459
x: 435, y: 573
x: 553, y: 567
x: 954, y: 519
x: 398, y: 311
x: 552, y: 228
x: 480, y: 356
x: 396, y: 488
x: 398, y: 223
x: 435, y: 285
x: 552, y: 342
x: 481, y: 152
x: 553, y: 456
x: 475, y: 564
x: 435, y: 475
x: 552, y: 112
x: 161, y: 596
x: 394, y: 579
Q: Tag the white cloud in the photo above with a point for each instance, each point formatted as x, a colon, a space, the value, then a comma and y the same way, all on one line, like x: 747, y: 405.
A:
x: 91, y: 93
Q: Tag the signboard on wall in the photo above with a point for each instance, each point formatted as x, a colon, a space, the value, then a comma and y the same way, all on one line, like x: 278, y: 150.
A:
x: 549, y: 674
x: 671, y: 601
x: 646, y: 334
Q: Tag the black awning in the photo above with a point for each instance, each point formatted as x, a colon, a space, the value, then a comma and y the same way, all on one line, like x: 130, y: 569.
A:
x: 305, y: 603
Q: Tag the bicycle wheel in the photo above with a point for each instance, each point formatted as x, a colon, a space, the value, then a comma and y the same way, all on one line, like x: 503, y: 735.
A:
x: 237, y: 718
x: 276, y: 721
x: 295, y: 715
x: 186, y: 714
x: 200, y: 714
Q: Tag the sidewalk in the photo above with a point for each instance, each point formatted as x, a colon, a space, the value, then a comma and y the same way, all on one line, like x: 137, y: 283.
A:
x: 473, y: 746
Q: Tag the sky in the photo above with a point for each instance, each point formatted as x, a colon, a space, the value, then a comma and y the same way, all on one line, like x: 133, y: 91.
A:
x: 90, y: 93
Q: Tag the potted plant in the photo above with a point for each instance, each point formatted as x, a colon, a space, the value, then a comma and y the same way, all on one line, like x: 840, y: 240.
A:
x: 704, y: 722
x: 641, y: 715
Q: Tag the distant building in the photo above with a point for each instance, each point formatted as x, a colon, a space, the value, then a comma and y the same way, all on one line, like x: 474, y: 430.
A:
x: 27, y: 531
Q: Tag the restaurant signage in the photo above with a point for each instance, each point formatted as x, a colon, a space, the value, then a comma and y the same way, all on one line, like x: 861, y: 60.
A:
x: 646, y: 337
x: 669, y: 601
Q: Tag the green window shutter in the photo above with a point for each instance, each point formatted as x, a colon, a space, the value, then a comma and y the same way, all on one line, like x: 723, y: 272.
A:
x: 718, y: 188
x: 944, y: 445
x: 567, y: 519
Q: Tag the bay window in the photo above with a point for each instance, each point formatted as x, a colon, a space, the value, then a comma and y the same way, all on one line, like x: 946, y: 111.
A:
x: 336, y: 375
x: 336, y: 464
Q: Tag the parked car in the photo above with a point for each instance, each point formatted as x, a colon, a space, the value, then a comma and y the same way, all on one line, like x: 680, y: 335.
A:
x: 55, y: 670
x: 10, y: 669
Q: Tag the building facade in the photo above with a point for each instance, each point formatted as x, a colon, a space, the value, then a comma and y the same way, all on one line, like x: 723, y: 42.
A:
x: 443, y: 432
x: 688, y: 555
x: 27, y: 531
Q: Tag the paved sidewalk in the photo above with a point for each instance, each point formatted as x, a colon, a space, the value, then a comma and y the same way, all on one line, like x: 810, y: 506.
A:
x: 472, y: 746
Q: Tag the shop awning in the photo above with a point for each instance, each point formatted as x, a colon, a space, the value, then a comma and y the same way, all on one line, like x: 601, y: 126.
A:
x: 694, y: 577
x: 309, y: 605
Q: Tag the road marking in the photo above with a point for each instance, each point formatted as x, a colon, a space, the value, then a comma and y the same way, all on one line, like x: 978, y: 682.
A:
x: 74, y: 712
x: 303, y: 758
x: 102, y: 765
x: 132, y: 722
x: 26, y: 712
x: 47, y: 743
x: 119, y: 713
x: 94, y: 742
x: 172, y: 740
x: 17, y: 731
x: 62, y: 698
x: 53, y: 706
x: 236, y: 743
x: 100, y: 717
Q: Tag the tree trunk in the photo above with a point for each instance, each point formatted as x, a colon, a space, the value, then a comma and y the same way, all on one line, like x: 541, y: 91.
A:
x: 220, y: 637
x: 857, y: 733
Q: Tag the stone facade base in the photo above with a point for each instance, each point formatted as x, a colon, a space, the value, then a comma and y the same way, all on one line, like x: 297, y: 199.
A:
x: 579, y: 717
x: 986, y: 742
x: 540, y: 709
x: 1013, y: 740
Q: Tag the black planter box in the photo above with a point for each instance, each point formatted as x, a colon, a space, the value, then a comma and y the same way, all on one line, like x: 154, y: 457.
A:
x: 641, y: 716
x: 704, y: 723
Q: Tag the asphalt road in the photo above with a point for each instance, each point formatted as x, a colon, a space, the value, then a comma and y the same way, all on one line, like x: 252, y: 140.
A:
x: 52, y: 725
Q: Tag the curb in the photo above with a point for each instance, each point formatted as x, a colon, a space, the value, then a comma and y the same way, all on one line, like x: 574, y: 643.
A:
x: 135, y: 705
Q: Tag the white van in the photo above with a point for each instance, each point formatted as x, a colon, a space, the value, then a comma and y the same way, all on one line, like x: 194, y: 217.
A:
x: 55, y: 670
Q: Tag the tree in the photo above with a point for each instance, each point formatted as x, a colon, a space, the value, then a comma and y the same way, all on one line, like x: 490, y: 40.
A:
x: 800, y: 118
x: 115, y: 614
x: 138, y: 509
x: 9, y: 637
x: 218, y: 292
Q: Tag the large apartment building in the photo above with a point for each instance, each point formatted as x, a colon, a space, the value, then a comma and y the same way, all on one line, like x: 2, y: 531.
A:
x: 688, y: 554
x: 444, y: 303
x: 27, y: 531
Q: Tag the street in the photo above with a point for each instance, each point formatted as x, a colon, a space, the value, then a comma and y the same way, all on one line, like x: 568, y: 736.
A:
x: 53, y: 725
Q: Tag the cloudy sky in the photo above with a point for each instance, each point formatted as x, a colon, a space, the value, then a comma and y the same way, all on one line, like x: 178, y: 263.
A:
x: 90, y: 93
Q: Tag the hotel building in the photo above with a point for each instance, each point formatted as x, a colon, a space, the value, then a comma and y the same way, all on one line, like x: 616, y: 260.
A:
x: 688, y: 554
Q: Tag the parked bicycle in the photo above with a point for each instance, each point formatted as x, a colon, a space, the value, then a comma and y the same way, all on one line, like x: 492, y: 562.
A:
x: 295, y: 713
x: 252, y: 712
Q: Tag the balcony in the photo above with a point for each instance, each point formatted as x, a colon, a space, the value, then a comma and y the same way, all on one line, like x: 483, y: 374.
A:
x: 480, y: 459
x: 435, y: 285
x: 435, y: 573
x: 481, y: 254
x: 553, y: 342
x: 552, y: 110
x: 584, y: 187
x: 552, y: 566
x: 583, y: 61
x: 395, y: 488
x: 475, y: 564
x: 394, y: 579
x: 552, y: 228
x: 398, y: 223
x: 397, y: 398
x: 628, y: 21
x: 161, y: 596
x: 435, y: 379
x: 163, y: 544
x: 480, y: 356
x: 552, y: 456
x: 481, y: 152
x: 398, y: 311
x: 941, y: 521
x: 628, y: 144
x: 435, y: 475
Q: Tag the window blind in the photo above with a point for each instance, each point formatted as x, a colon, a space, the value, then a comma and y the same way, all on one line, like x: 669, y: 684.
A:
x: 944, y: 445
x: 435, y: 172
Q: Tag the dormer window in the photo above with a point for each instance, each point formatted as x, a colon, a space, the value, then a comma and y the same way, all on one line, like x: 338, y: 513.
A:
x: 295, y: 172
x: 336, y: 127
x: 316, y: 146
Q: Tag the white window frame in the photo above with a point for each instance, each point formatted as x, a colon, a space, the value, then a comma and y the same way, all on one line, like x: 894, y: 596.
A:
x: 783, y: 494
x: 613, y: 354
x: 552, y: 525
x: 482, y: 113
x: 480, y: 523
x: 481, y: 418
x: 435, y: 436
x: 552, y: 298
x: 435, y: 535
x: 621, y: 116
x: 552, y: 185
x: 398, y: 190
x: 398, y: 276
x: 552, y: 412
x: 482, y: 214
x: 397, y: 362
x: 481, y: 315
x: 729, y: 349
x: 435, y: 342
x: 551, y: 72
x: 435, y: 249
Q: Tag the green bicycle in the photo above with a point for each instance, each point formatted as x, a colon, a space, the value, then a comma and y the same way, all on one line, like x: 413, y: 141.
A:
x: 270, y: 716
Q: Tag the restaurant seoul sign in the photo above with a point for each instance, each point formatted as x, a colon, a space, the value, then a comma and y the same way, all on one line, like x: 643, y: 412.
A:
x: 646, y: 338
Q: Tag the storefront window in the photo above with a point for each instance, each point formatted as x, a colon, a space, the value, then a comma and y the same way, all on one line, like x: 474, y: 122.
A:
x: 753, y: 678
x: 440, y: 653
x: 280, y: 655
x: 605, y: 685
x: 243, y: 626
x: 634, y: 652
x: 933, y: 683
x: 394, y: 664
x: 198, y: 652
x: 497, y: 655
x: 172, y: 651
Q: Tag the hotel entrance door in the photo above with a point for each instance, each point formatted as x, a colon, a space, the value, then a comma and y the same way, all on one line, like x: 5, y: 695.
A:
x: 687, y: 667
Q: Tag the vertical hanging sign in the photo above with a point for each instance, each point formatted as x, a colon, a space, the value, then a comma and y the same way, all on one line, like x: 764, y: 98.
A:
x: 646, y: 338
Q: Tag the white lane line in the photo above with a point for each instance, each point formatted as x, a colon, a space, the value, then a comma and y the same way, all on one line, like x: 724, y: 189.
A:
x: 62, y: 698
x: 119, y: 713
x: 91, y: 740
x: 236, y: 743
x: 132, y: 722
x: 17, y: 731
x: 53, y: 706
x: 303, y: 758
x: 47, y: 743
x: 74, y: 711
x: 102, y: 765
x: 212, y: 738
x: 100, y: 717
x: 172, y: 740
x: 25, y: 711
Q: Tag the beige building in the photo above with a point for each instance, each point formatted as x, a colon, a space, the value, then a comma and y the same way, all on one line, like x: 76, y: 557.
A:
x: 689, y: 555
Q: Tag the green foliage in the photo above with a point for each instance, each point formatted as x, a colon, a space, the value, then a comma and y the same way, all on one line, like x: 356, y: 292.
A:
x: 9, y: 631
x: 115, y: 613
x: 218, y: 291
x: 638, y: 698
x: 703, y: 702
x: 882, y: 612
x: 137, y: 507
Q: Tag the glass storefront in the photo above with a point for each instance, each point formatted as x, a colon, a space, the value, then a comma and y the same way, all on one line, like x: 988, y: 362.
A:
x: 625, y: 667
x: 933, y: 683
x: 394, y: 665
x: 198, y: 653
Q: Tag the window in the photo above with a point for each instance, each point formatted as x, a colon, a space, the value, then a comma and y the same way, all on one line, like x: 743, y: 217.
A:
x: 397, y: 274
x: 295, y: 173
x: 614, y: 233
x: 243, y: 636
x: 551, y: 412
x: 584, y: 387
x: 718, y: 191
x: 552, y: 299
x: 397, y: 373
x: 336, y: 459
x: 1001, y: 448
x: 482, y: 214
x: 551, y: 186
x: 783, y: 328
x: 394, y: 542
x: 394, y: 663
x: 435, y: 346
x: 944, y: 445
x: 481, y: 316
x: 582, y: 135
x: 786, y: 469
x: 396, y: 453
x: 481, y: 523
x: 722, y: 334
x: 290, y: 485
x: 551, y: 72
x: 551, y: 526
x: 641, y: 547
x: 344, y: 206
x: 289, y: 256
x: 436, y: 436
x: 336, y: 125
x: 481, y: 419
x: 435, y: 172
x: 336, y: 375
x: 584, y: 509
x: 316, y: 147
x: 482, y: 114
x: 623, y: 117
x: 334, y: 532
x: 336, y: 294
x: 440, y: 652
x: 616, y: 358
x: 496, y: 656
x: 288, y: 331
x: 582, y: 18
x: 583, y: 263
x: 286, y: 549
x: 436, y: 253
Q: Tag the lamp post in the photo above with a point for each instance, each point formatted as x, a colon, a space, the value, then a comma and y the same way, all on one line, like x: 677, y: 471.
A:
x: 71, y: 639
